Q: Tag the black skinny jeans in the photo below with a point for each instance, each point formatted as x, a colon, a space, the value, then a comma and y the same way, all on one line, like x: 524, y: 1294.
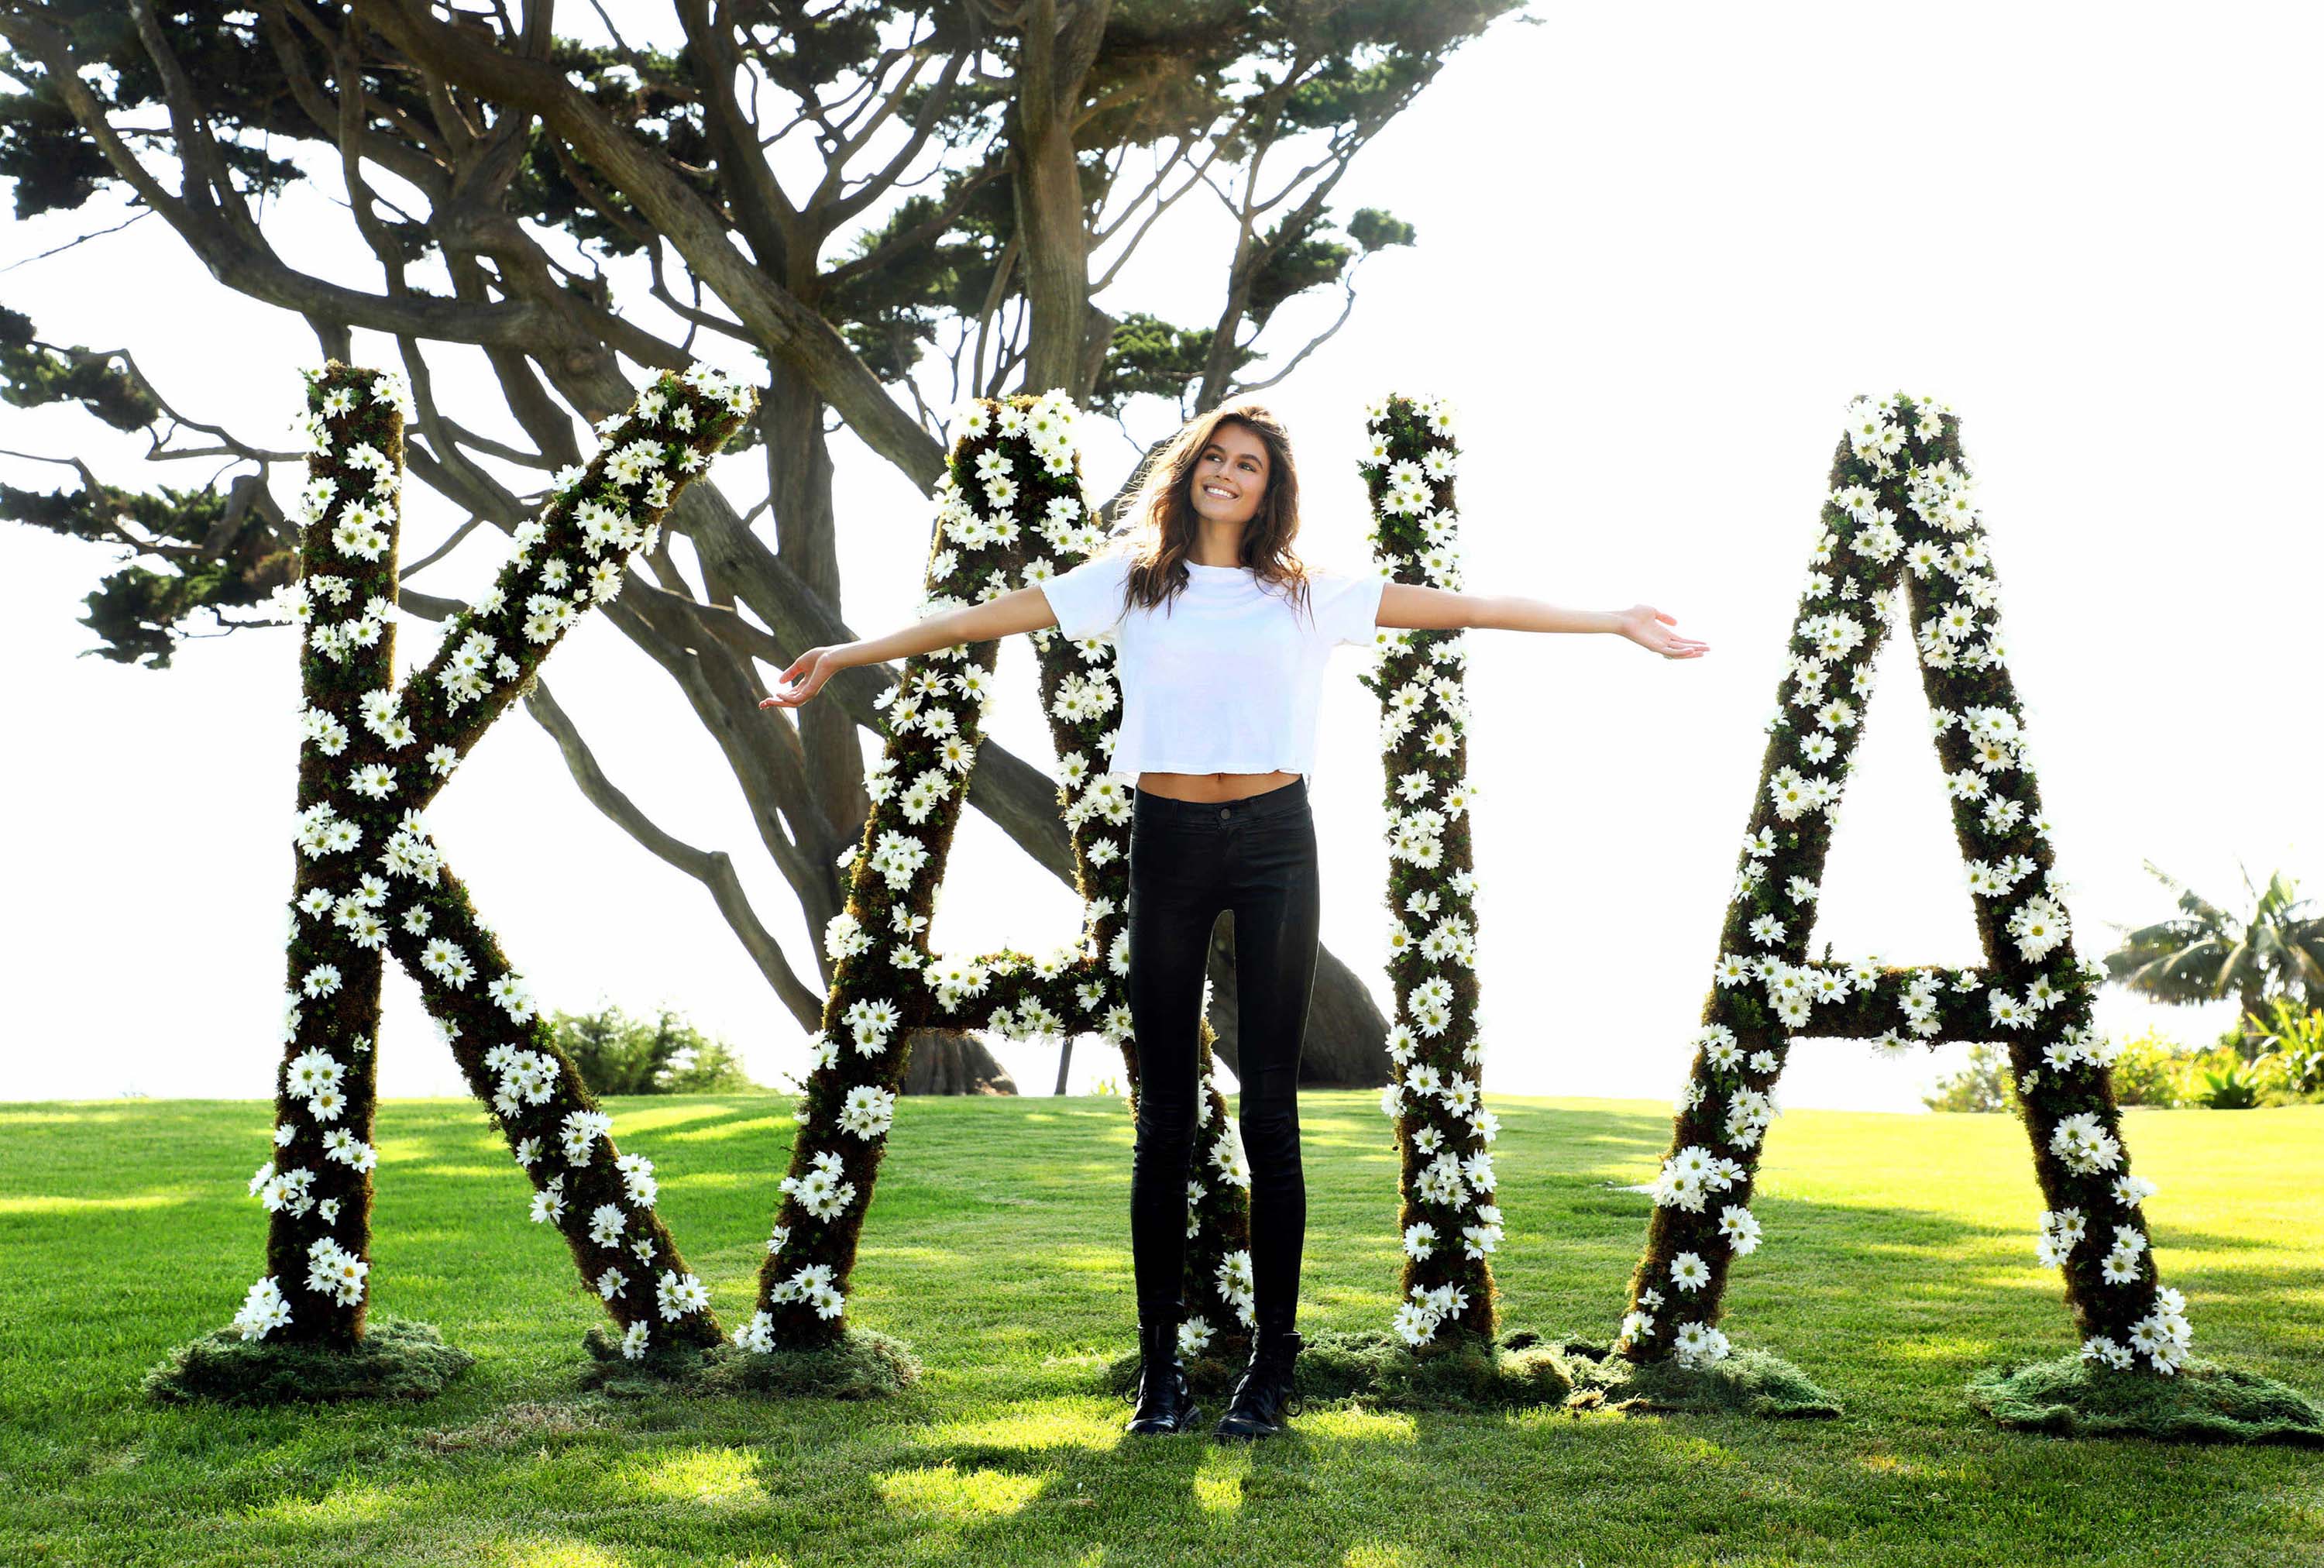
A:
x: 1189, y: 860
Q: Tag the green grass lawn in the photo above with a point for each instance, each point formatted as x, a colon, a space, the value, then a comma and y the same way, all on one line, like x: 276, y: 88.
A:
x: 1899, y: 1257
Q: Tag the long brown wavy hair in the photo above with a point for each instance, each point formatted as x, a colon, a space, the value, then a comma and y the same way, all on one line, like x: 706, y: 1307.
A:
x: 1164, y: 526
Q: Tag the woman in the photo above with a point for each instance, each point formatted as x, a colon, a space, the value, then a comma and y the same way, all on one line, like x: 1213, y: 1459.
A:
x: 1221, y: 637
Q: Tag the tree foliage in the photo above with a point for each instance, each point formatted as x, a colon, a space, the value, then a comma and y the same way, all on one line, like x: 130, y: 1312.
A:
x: 2207, y: 952
x: 1981, y: 1086
x: 618, y: 1054
x: 892, y: 208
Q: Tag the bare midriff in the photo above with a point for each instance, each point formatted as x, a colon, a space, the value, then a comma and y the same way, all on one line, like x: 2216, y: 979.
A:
x: 1208, y: 787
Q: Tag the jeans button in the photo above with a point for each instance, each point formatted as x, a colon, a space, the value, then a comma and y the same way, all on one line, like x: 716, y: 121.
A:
x: 1224, y: 813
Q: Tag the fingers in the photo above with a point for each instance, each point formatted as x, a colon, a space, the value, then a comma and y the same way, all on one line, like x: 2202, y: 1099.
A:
x: 791, y: 676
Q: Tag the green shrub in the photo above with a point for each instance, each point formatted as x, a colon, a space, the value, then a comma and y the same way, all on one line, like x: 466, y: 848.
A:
x: 2290, y: 1080
x: 2148, y: 1072
x: 2219, y: 1079
x: 619, y: 1055
x: 1982, y: 1085
x: 2290, y: 1068
x: 2229, y: 1086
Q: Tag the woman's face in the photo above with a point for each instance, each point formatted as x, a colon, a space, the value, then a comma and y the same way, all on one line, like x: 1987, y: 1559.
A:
x: 1230, y: 475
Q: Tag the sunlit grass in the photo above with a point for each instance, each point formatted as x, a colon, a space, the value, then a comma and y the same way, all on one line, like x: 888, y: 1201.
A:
x: 1898, y: 1259
x: 947, y: 1493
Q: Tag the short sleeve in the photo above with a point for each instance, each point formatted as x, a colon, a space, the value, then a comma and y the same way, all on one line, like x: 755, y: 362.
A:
x: 1347, y: 607
x: 1087, y: 600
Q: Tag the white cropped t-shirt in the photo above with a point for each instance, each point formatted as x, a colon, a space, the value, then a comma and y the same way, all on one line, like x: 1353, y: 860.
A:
x: 1226, y: 675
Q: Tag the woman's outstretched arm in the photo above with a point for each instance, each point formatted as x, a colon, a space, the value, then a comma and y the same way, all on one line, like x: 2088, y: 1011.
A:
x: 1411, y: 604
x: 1023, y: 609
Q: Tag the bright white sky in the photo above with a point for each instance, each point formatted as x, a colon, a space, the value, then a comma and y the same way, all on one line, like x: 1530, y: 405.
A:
x: 1657, y: 255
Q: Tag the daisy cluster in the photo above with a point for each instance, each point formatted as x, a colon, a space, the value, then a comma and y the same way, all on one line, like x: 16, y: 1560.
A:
x: 369, y: 879
x: 1901, y: 538
x: 572, y: 556
x: 1012, y: 512
x: 1444, y: 1131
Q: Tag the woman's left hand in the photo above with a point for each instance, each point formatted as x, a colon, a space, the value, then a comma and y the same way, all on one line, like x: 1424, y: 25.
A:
x: 1650, y: 628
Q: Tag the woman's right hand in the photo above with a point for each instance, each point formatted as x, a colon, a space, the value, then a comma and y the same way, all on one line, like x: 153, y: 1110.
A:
x: 805, y: 676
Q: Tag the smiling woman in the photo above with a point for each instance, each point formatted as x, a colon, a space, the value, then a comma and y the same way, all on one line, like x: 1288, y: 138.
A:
x: 1011, y: 498
x: 1221, y: 687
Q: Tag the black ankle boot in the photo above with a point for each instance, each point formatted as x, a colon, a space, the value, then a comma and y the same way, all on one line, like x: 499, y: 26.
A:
x: 1266, y: 1396
x: 1164, y: 1403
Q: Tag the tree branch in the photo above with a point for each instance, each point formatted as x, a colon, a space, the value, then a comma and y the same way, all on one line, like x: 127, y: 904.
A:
x: 784, y: 324
x: 246, y: 264
x: 712, y: 868
x: 1242, y: 389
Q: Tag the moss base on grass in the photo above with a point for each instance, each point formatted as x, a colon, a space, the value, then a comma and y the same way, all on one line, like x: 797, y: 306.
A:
x: 398, y: 1359
x: 1377, y: 1368
x: 864, y: 1364
x: 2202, y: 1402
x: 1747, y: 1382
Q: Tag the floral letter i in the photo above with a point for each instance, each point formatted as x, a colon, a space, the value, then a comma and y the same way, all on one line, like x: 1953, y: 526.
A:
x: 1443, y: 1132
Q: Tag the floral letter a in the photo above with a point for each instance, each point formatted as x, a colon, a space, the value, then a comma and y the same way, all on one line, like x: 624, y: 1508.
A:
x: 1901, y: 531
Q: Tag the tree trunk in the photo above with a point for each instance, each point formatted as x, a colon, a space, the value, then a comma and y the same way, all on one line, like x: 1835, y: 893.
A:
x: 2250, y: 1021
x: 799, y: 477
x: 1048, y: 194
x: 953, y: 1062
